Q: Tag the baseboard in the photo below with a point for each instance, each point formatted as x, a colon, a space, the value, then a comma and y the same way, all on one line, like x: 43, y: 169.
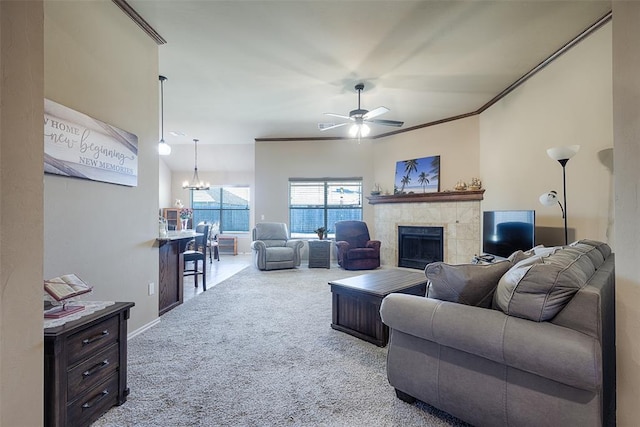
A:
x: 143, y: 328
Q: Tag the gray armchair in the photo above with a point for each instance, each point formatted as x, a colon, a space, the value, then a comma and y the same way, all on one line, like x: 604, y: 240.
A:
x: 272, y: 249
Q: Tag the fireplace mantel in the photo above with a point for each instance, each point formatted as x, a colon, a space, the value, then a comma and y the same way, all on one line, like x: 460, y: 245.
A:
x: 444, y: 196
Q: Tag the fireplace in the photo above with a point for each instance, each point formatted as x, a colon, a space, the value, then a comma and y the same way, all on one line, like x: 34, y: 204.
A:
x: 419, y: 246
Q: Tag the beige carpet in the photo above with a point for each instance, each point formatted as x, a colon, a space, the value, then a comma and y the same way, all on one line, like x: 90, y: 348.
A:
x: 258, y: 350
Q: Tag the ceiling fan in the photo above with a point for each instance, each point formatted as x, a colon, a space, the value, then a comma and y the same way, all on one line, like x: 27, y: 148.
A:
x: 359, y: 119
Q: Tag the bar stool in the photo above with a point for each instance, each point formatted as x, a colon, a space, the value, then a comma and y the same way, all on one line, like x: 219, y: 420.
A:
x: 198, y: 253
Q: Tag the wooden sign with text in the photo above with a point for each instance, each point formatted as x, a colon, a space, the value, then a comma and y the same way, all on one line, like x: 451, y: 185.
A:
x: 80, y: 146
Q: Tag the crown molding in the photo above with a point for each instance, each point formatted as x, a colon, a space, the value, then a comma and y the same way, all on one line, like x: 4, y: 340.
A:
x: 139, y: 20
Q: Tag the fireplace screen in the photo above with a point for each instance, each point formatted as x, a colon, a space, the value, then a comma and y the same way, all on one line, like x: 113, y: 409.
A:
x: 419, y: 246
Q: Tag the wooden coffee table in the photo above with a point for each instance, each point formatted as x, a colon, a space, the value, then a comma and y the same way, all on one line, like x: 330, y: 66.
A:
x: 356, y: 301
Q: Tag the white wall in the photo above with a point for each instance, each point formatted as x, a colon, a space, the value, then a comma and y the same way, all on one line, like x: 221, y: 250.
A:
x: 99, y: 62
x: 164, y: 184
x: 21, y: 228
x: 455, y: 142
x: 626, y: 95
x: 276, y: 162
x: 569, y: 102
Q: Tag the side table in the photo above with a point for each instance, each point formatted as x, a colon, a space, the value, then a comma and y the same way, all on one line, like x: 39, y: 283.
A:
x: 320, y: 253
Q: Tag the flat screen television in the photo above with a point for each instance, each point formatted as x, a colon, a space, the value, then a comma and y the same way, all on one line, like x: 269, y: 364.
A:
x: 504, y: 232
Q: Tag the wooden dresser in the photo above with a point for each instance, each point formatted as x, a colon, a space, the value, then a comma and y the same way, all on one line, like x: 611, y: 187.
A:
x: 85, y: 367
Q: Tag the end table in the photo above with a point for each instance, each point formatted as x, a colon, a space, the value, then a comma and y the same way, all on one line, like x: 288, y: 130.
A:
x: 320, y: 253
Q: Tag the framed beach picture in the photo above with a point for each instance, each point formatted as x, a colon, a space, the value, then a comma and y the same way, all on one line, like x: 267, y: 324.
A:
x: 417, y: 176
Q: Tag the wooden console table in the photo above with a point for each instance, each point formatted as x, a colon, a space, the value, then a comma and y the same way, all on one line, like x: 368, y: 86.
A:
x: 85, y: 367
x: 227, y: 244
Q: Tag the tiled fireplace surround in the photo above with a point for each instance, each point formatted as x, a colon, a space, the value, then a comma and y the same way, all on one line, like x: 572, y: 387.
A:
x: 459, y: 219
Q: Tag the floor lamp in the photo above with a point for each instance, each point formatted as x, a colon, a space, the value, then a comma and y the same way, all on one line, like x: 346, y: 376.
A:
x: 562, y: 155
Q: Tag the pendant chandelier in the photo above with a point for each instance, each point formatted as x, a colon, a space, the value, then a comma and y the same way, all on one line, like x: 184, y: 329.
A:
x: 195, y: 183
x: 164, y: 149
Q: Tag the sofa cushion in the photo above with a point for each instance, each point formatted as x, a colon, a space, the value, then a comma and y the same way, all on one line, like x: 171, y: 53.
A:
x: 537, y: 288
x: 604, y: 248
x: 361, y: 253
x: 274, y: 243
x: 470, y: 284
x: 592, y: 251
x: 278, y: 254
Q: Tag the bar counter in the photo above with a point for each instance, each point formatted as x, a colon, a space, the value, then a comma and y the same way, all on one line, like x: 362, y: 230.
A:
x: 170, y: 281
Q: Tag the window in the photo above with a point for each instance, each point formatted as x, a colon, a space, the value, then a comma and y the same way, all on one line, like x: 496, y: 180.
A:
x: 227, y: 205
x: 321, y: 202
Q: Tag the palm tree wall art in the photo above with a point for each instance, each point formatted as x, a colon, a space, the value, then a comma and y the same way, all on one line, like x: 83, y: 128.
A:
x: 417, y: 176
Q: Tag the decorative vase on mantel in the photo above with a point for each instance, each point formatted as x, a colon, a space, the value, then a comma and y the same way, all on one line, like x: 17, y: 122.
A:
x: 185, y: 223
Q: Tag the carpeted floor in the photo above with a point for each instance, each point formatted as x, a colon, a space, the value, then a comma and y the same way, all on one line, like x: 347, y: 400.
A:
x: 258, y: 350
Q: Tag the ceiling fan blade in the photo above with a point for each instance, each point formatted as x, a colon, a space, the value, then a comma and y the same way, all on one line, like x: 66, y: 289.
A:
x: 337, y: 115
x: 328, y: 126
x: 375, y: 113
x: 385, y: 122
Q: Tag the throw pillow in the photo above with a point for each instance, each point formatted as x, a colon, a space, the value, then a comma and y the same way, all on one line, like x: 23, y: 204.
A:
x: 539, y: 287
x: 470, y: 284
x: 510, y: 280
x: 518, y: 256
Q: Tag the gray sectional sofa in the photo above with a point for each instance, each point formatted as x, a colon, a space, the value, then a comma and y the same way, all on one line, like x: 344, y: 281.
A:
x: 526, y: 343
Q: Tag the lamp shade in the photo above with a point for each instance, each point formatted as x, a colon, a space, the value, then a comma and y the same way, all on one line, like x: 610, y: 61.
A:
x: 359, y: 130
x: 164, y: 149
x: 563, y: 153
x: 549, y: 198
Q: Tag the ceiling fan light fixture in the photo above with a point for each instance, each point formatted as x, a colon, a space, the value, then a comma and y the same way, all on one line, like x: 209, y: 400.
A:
x: 359, y: 117
x: 359, y: 130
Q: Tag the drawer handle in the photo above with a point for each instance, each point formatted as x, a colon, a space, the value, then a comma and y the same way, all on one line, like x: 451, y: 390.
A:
x: 95, y: 337
x: 95, y: 400
x: 95, y: 368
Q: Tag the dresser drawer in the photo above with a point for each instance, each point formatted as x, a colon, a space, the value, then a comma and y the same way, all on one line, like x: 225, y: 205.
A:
x: 89, y: 406
x: 92, y: 371
x: 91, y: 340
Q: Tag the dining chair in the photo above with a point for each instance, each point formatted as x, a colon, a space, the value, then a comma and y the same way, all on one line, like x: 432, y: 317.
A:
x: 212, y: 243
x: 198, y: 253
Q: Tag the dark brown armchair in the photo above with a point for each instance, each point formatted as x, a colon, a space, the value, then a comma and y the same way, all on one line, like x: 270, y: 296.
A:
x: 354, y: 248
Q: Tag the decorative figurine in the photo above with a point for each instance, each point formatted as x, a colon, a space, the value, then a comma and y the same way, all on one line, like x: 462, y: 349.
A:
x: 476, y: 184
x: 461, y: 186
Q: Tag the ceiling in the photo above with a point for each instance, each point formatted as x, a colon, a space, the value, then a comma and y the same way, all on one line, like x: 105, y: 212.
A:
x: 245, y: 70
